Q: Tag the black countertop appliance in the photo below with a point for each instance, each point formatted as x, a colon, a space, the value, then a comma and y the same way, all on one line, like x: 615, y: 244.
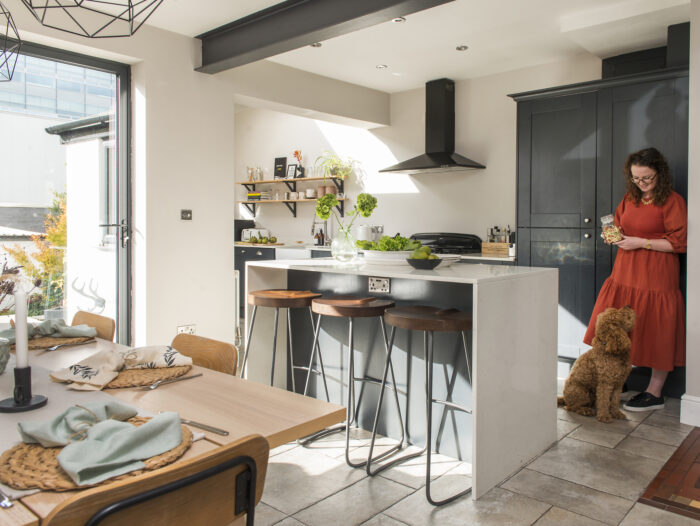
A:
x: 450, y: 243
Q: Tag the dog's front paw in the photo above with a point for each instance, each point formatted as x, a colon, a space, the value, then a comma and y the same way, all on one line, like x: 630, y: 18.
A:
x: 604, y: 418
x: 619, y: 415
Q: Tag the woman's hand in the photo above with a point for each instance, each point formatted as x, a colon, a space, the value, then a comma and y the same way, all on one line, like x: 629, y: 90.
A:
x: 631, y: 243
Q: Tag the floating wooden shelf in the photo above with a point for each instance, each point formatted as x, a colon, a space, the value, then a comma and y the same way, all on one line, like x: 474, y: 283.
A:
x: 292, y: 183
x: 290, y: 203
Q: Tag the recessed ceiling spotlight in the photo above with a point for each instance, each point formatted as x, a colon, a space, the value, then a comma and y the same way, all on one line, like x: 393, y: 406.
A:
x: 462, y: 48
x: 382, y: 66
x: 316, y: 44
x: 398, y: 20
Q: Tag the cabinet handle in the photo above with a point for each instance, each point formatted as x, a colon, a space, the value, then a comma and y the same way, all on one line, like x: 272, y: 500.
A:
x: 259, y: 252
x: 587, y: 220
x: 586, y: 236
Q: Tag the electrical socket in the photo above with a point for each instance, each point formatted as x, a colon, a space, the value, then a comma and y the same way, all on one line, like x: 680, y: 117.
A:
x: 379, y: 285
x: 186, y: 329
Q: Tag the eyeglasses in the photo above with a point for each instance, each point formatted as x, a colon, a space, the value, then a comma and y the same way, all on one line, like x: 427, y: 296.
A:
x: 645, y: 180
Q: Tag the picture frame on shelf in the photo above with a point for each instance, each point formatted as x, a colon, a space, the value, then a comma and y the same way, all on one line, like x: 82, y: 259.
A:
x: 291, y: 171
x: 300, y: 172
x: 280, y: 168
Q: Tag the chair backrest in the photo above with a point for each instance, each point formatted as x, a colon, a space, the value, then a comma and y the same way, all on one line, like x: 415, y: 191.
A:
x: 212, y: 354
x: 201, y: 490
x: 105, y: 326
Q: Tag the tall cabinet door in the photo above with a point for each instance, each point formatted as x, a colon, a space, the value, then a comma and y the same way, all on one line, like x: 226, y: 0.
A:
x: 557, y: 162
x: 572, y: 251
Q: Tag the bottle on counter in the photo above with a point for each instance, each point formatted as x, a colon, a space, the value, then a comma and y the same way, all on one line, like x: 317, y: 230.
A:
x: 321, y: 238
x: 316, y: 239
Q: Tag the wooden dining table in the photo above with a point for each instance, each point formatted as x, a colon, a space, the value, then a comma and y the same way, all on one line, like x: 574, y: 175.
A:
x: 238, y: 406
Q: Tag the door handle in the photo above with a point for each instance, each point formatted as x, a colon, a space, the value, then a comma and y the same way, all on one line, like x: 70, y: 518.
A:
x: 587, y: 236
x: 258, y: 253
x: 587, y: 220
x: 124, y: 234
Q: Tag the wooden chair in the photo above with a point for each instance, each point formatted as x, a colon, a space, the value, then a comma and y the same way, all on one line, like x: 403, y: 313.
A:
x: 213, y: 489
x: 208, y: 353
x: 105, y: 326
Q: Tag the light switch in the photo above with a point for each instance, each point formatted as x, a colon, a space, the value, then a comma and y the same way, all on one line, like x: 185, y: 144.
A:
x: 186, y: 215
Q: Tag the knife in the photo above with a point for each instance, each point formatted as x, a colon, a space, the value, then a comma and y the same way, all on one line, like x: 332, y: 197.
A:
x: 158, y: 383
x: 205, y: 427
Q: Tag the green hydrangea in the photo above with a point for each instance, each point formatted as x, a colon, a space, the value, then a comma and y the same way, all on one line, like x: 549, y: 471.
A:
x: 325, y: 204
x: 366, y: 203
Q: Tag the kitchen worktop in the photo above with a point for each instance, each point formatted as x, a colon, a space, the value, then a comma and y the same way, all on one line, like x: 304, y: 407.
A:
x: 469, y: 274
x: 477, y: 257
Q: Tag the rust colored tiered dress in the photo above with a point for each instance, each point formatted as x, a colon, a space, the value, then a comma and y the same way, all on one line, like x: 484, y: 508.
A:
x: 648, y: 281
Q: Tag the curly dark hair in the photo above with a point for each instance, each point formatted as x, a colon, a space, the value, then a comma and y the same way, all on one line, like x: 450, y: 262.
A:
x: 654, y: 159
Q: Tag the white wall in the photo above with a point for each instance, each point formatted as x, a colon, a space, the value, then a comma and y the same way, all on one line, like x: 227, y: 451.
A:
x: 182, y: 157
x: 690, y: 406
x: 466, y: 201
x: 33, y: 162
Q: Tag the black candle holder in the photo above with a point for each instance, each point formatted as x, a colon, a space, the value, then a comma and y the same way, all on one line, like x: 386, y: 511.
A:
x: 23, y: 399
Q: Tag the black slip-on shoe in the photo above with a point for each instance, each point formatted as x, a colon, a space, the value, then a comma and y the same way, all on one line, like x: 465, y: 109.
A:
x: 645, y: 402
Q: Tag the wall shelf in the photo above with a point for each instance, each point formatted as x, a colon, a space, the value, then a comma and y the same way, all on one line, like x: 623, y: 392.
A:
x: 291, y: 204
x: 292, y: 183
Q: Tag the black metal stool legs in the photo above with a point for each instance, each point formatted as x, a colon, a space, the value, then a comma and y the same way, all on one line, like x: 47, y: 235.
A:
x: 244, y: 373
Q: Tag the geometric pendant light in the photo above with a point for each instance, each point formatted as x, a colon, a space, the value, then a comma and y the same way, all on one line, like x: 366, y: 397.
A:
x: 9, y: 44
x: 93, y: 18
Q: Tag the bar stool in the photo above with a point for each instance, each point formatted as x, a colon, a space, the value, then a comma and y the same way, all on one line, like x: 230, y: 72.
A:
x: 278, y: 299
x: 428, y: 320
x: 351, y: 308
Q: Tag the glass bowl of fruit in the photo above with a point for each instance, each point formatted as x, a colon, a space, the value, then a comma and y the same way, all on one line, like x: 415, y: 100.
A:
x: 423, y: 258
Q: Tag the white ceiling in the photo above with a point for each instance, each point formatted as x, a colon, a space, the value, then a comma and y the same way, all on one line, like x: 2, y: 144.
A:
x: 502, y: 35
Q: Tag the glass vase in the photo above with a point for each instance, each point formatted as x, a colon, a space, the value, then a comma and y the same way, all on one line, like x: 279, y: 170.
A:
x: 343, y: 247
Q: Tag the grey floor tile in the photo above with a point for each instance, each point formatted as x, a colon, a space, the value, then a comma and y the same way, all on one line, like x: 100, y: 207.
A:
x: 646, y: 448
x: 283, y: 448
x: 596, y: 435
x: 660, y: 434
x: 635, y: 416
x: 289, y: 521
x: 333, y: 445
x: 672, y: 406
x: 559, y: 517
x: 564, y: 427
x: 300, y: 477
x: 613, y: 471
x: 579, y: 499
x: 495, y: 508
x: 412, y: 472
x: 643, y: 515
x: 383, y: 520
x: 355, y: 504
x: 667, y: 422
x: 266, y: 515
x: 618, y: 426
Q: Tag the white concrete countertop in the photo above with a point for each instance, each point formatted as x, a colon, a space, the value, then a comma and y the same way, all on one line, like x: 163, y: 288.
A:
x: 478, y: 257
x: 456, y: 273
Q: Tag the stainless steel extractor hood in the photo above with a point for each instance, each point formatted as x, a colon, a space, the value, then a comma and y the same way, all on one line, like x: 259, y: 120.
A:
x: 439, y: 153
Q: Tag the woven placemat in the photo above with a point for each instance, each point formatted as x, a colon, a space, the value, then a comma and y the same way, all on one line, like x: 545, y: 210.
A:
x: 139, y: 377
x: 31, y: 466
x: 45, y: 342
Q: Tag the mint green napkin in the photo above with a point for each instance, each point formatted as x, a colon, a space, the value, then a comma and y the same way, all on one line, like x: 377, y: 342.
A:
x: 113, y: 448
x: 98, y: 444
x: 54, y: 328
x: 73, y: 422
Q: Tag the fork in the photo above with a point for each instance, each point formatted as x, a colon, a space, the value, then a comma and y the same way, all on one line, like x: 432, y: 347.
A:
x: 5, y: 501
x: 53, y: 348
x: 157, y: 383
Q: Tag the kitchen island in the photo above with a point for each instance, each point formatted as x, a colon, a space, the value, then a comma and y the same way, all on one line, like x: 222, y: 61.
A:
x: 513, y: 355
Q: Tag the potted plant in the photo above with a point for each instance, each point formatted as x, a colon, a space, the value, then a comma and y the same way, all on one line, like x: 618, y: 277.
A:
x: 343, y: 246
x: 332, y: 165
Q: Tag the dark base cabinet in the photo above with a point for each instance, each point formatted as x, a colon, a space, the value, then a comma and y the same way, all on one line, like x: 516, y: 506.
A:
x: 572, y: 145
x: 243, y: 254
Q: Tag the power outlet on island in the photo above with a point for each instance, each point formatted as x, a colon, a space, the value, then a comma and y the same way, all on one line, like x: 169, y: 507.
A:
x: 186, y: 329
x: 379, y: 285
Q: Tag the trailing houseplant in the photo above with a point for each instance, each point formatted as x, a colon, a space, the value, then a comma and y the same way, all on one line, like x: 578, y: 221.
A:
x: 332, y: 165
x: 343, y: 245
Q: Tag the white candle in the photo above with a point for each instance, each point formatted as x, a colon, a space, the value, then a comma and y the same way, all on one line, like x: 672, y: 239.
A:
x: 21, y: 354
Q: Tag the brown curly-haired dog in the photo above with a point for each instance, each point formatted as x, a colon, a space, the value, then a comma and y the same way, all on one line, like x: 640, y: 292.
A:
x: 597, y: 377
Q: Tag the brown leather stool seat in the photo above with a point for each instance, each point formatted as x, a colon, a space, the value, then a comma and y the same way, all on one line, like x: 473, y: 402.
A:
x: 424, y: 318
x: 429, y: 320
x: 282, y: 299
x: 350, y: 306
x: 278, y: 299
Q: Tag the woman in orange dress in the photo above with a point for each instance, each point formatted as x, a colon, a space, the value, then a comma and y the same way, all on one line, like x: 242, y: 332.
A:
x: 646, y: 273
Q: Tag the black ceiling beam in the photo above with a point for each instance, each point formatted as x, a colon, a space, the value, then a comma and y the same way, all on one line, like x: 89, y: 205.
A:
x: 296, y: 23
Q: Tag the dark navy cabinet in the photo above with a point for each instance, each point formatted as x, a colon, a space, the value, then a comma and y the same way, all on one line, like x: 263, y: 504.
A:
x: 572, y: 145
x: 241, y: 256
